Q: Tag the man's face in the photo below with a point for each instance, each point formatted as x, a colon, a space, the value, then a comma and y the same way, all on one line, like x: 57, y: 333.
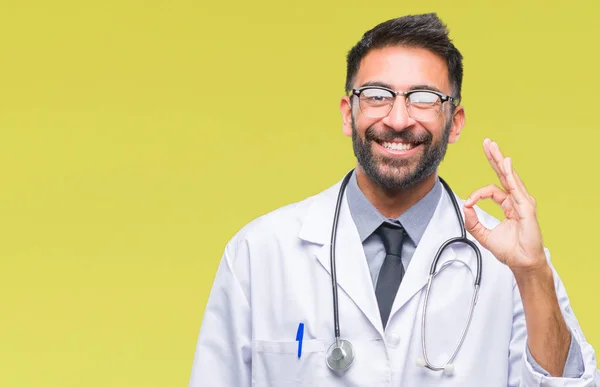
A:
x: 397, y: 151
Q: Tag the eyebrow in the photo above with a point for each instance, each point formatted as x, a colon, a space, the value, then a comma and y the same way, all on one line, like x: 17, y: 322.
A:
x: 376, y: 83
x: 414, y: 87
x: 426, y: 87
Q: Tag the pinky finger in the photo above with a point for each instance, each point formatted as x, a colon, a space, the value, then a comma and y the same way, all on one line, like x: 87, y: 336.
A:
x: 520, y: 197
x: 522, y: 186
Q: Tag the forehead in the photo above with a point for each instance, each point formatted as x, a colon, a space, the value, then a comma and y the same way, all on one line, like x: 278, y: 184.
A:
x: 402, y: 67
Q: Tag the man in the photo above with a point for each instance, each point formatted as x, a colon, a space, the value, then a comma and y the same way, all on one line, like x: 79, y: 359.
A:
x: 269, y: 319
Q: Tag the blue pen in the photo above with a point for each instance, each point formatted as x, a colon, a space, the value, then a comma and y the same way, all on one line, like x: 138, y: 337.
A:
x: 299, y: 337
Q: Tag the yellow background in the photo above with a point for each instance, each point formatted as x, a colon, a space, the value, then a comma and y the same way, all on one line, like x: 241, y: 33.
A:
x: 136, y: 137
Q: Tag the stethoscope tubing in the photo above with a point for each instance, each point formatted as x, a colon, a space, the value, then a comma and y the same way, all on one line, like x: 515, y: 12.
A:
x: 432, y: 274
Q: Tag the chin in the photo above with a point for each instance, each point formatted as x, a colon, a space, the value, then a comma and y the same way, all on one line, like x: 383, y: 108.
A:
x: 397, y: 177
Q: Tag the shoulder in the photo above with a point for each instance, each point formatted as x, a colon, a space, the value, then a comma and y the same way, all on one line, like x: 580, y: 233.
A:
x: 280, y: 224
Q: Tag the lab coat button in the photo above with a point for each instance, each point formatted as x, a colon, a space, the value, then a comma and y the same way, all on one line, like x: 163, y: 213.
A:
x: 394, y: 340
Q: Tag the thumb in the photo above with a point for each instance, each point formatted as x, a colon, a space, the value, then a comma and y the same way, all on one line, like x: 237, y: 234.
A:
x: 474, y: 227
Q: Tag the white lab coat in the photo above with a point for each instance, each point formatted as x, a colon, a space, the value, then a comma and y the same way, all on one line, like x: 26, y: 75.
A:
x: 275, y: 273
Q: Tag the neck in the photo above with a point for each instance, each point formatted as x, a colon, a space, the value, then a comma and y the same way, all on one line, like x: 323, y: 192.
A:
x: 392, y: 203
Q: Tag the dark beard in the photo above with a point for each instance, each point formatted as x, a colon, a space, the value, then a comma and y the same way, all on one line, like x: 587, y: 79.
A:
x: 399, y: 176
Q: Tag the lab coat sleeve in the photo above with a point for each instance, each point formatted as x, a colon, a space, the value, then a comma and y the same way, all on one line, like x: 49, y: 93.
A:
x: 223, y: 351
x: 573, y: 366
x: 521, y: 372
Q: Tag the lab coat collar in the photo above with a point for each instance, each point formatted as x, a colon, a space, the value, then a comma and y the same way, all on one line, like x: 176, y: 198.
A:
x: 316, y: 227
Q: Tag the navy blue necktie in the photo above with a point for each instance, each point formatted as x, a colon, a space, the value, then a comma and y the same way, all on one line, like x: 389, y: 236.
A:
x: 392, y: 270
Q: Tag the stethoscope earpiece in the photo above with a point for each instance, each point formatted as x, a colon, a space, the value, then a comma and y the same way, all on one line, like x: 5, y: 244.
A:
x: 449, y: 369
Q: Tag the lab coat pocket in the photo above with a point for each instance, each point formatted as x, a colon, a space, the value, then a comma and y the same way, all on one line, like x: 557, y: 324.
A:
x: 276, y: 363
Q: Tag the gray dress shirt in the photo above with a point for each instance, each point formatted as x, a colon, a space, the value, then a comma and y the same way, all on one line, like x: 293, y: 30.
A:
x: 415, y: 220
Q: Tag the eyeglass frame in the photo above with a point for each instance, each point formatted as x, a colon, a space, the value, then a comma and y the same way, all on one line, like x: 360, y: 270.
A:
x: 443, y: 98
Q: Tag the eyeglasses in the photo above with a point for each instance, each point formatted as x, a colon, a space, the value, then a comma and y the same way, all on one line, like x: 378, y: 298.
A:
x: 421, y: 105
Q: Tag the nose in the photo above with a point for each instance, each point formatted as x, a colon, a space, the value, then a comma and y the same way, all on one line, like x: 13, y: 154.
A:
x: 398, y: 118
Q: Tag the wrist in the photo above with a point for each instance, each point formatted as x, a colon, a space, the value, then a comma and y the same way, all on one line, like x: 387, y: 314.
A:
x: 531, y: 268
x: 536, y: 287
x: 534, y: 276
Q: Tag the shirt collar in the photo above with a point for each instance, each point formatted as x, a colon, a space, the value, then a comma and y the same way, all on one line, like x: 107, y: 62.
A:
x: 414, y: 220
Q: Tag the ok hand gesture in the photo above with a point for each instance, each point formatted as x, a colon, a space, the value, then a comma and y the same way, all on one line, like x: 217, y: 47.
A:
x: 517, y: 240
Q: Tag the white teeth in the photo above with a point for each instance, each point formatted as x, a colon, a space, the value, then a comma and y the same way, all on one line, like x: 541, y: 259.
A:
x: 397, y: 146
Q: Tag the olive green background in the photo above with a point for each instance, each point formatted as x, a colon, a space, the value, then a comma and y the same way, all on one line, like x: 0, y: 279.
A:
x: 136, y: 137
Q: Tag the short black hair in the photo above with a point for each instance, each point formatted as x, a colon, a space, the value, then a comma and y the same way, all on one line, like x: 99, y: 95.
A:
x: 420, y: 31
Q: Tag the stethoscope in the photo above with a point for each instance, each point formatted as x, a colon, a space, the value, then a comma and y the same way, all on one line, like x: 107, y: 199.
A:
x: 340, y: 354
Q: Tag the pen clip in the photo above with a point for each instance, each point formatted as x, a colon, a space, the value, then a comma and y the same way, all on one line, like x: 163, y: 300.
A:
x: 299, y: 338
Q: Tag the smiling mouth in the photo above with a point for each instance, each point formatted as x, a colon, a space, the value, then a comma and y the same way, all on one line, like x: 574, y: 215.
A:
x: 398, y: 146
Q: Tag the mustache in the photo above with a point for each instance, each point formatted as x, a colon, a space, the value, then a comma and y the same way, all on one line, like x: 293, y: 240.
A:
x: 405, y: 136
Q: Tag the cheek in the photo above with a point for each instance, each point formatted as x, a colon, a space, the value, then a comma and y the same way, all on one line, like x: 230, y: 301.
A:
x: 439, y: 127
x: 363, y: 124
x: 435, y: 129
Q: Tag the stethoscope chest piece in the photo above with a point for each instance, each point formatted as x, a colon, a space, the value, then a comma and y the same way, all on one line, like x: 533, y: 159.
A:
x: 340, y: 355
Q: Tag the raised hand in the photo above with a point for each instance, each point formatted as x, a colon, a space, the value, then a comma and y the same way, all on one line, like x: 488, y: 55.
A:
x: 517, y: 240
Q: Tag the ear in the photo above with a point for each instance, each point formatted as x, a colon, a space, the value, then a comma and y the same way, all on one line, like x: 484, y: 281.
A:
x: 458, y: 123
x: 346, y: 110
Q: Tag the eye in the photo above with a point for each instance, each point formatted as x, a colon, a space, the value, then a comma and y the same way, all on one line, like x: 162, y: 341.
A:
x: 376, y: 97
x: 424, y: 99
